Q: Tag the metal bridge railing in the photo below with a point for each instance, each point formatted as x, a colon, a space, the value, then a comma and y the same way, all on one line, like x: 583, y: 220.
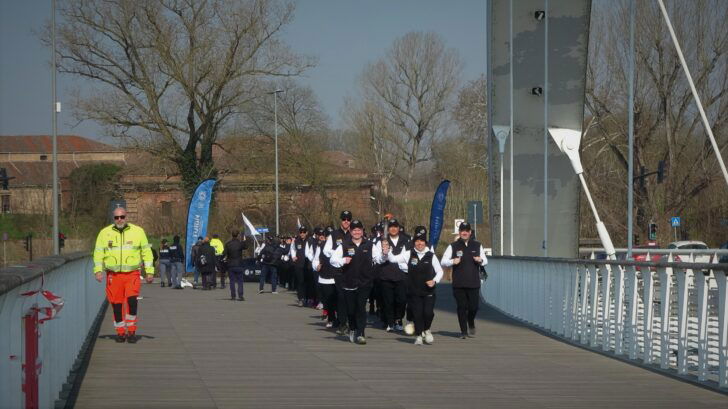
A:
x: 672, y: 316
x: 37, y: 357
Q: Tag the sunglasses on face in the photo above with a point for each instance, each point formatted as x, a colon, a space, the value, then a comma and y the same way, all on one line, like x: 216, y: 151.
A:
x: 119, y: 217
x: 346, y: 220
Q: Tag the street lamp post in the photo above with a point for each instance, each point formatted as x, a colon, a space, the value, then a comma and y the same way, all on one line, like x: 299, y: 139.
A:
x: 275, y: 120
x: 54, y: 121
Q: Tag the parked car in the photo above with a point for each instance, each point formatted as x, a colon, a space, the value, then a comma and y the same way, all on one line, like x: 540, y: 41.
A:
x: 688, y: 245
x: 655, y: 258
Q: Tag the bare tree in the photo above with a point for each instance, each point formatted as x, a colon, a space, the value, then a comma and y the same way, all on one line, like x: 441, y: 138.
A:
x: 667, y: 126
x: 461, y: 157
x: 173, y: 72
x: 412, y: 87
x: 303, y: 134
x: 374, y: 144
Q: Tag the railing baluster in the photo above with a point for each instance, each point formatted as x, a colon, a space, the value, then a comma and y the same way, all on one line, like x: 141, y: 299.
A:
x: 583, y: 313
x: 619, y: 311
x: 606, y: 313
x: 665, y: 284
x: 632, y: 313
x: 648, y: 313
x: 594, y: 305
x: 682, y: 336
x: 722, y: 281
x: 702, y: 286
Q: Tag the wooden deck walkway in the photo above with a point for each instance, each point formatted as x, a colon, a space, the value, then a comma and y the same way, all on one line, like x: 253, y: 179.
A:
x: 200, y: 350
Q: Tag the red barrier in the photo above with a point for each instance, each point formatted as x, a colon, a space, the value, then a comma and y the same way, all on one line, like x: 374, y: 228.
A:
x: 31, y: 365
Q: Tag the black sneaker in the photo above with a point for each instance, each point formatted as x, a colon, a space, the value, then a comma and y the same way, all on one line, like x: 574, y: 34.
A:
x: 162, y: 285
x: 463, y: 335
x: 343, y: 329
x: 120, y: 338
x: 232, y: 298
x: 241, y: 298
x: 131, y: 338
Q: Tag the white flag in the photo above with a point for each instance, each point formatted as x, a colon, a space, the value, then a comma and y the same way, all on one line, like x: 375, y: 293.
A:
x: 298, y: 222
x: 250, y: 226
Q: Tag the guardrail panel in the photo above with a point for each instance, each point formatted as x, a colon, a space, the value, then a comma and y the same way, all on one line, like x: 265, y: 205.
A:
x: 60, y: 338
x: 612, y: 305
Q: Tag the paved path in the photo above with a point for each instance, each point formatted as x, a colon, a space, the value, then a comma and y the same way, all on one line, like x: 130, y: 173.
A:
x: 200, y: 350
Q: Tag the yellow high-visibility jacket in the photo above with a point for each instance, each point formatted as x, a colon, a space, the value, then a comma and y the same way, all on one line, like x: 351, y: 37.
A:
x: 218, y: 246
x: 123, y: 250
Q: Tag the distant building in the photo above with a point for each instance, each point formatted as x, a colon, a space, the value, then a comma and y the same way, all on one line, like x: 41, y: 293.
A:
x: 150, y: 186
x: 28, y: 160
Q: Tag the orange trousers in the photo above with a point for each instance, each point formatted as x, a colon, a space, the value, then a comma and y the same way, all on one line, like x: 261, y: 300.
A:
x: 119, y: 287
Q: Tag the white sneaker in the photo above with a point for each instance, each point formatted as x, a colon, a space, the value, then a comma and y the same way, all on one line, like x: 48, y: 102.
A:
x: 429, y: 339
x: 329, y: 324
x: 352, y: 338
x: 320, y: 306
x: 389, y: 329
x: 418, y: 340
x: 409, y: 329
x: 274, y: 292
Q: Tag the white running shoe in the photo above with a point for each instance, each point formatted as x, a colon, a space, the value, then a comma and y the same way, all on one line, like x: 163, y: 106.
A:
x: 409, y: 329
x: 320, y: 306
x: 389, y: 329
x: 329, y: 324
x: 418, y: 340
x: 352, y: 337
x: 361, y: 340
x: 429, y: 339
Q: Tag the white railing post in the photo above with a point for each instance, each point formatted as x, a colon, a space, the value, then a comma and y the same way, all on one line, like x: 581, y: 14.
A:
x: 722, y: 282
x: 682, y: 335
x: 648, y: 313
x: 702, y: 286
x: 665, y: 284
x: 606, y: 313
x: 594, y: 304
x: 583, y: 315
x: 619, y: 311
x: 570, y: 296
x: 632, y: 312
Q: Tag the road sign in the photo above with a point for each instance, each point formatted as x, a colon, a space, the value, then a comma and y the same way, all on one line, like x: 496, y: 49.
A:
x: 458, y: 222
x: 675, y: 221
x: 261, y: 230
x: 475, y: 212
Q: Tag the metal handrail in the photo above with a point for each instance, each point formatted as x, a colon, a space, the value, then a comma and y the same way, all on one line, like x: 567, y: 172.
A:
x: 670, y: 316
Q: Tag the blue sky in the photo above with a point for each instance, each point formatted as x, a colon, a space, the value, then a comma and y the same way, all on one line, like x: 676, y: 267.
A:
x: 344, y: 34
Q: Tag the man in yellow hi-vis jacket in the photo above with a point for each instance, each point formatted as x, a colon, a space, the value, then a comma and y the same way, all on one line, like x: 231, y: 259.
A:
x: 121, y: 251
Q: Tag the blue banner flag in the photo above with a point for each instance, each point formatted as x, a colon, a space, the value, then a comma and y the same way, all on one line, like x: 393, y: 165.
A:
x: 437, y: 213
x: 197, y: 215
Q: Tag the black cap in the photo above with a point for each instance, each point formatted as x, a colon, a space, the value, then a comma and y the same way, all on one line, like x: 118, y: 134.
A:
x: 379, y: 227
x: 464, y: 226
x: 420, y: 230
x: 318, y: 231
x: 346, y: 215
x: 302, y: 229
x: 393, y: 223
x: 328, y: 230
x: 420, y: 236
x: 356, y: 224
